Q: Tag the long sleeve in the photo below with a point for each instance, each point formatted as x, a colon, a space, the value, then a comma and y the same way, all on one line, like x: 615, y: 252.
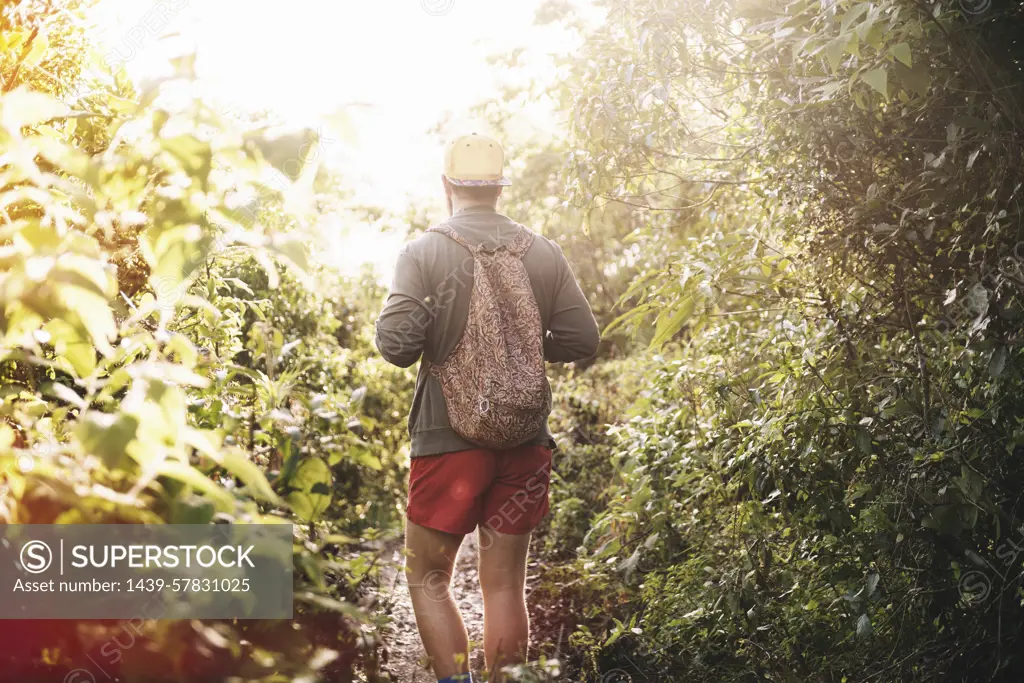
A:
x: 402, y: 325
x: 572, y: 330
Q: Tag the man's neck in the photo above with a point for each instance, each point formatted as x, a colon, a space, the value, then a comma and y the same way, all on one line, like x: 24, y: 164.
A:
x: 474, y: 207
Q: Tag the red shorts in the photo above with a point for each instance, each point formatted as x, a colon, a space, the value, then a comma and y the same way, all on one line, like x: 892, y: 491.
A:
x: 506, y: 490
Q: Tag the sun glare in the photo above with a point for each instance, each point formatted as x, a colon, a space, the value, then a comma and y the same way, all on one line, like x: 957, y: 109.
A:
x: 394, y: 72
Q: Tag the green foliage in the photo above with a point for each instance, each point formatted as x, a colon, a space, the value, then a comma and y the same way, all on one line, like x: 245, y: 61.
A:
x: 163, y: 360
x: 798, y: 458
x: 829, y: 453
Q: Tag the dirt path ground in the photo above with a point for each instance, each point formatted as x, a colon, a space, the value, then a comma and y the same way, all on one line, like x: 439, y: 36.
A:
x: 407, y: 657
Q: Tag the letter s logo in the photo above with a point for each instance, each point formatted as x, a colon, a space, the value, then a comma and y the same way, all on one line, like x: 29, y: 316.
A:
x: 36, y: 557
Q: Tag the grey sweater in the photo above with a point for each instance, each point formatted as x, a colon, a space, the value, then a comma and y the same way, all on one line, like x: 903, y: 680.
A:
x: 426, y: 312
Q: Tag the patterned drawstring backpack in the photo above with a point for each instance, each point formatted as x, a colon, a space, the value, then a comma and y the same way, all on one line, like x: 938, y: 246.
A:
x: 494, y: 383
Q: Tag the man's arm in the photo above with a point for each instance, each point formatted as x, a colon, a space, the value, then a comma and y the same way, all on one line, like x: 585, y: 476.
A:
x: 572, y: 330
x: 402, y: 325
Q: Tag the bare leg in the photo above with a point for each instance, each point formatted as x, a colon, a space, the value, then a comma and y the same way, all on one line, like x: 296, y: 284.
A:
x: 431, y: 557
x: 503, y: 582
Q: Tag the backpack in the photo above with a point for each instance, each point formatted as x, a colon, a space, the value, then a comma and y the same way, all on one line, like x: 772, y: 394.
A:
x: 494, y: 383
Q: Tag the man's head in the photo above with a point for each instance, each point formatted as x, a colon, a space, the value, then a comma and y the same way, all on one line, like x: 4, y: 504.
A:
x: 473, y: 171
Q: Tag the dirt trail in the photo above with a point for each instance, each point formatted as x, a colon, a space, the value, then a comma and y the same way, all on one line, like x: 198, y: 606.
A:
x: 407, y: 657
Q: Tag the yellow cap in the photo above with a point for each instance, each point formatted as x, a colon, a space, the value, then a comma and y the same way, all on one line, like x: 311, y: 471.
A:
x: 475, y: 160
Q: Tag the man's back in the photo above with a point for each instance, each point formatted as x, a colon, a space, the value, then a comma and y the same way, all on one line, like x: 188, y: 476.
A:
x: 428, y: 306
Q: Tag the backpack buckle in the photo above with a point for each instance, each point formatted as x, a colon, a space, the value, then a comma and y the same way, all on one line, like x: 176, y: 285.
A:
x: 483, y: 406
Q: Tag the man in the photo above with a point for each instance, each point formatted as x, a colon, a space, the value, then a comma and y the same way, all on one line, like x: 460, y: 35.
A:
x: 456, y: 485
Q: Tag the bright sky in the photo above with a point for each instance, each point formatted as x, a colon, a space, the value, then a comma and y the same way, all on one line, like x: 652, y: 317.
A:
x: 397, y: 67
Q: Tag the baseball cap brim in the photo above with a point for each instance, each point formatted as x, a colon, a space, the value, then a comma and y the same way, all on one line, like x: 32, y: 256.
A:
x: 500, y: 182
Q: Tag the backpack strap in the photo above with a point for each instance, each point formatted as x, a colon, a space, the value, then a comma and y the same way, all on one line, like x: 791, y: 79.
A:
x: 521, y: 243
x: 517, y: 246
x: 449, y: 231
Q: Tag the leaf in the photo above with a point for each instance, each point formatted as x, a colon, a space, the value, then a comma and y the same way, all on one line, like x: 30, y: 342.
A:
x: 997, y: 362
x: 915, y: 79
x: 239, y: 465
x: 39, y: 47
x: 972, y: 158
x: 357, y: 398
x: 630, y: 563
x: 864, y: 627
x: 185, y: 349
x: 292, y: 251
x: 195, y: 156
x: 204, y: 441
x: 865, y: 28
x: 72, y: 346
x: 107, y: 436
x: 23, y: 107
x: 169, y: 374
x: 748, y: 9
x: 287, y: 348
x: 946, y: 519
x: 269, y: 267
x: 7, y: 436
x: 11, y: 40
x: 855, y: 13
x: 834, y: 52
x: 627, y: 317
x: 853, y: 47
x: 174, y: 253
x: 671, y: 321
x: 364, y: 457
x: 901, y: 51
x: 120, y: 105
x: 863, y: 440
x: 95, y: 315
x: 88, y: 273
x: 312, y: 494
x: 192, y: 477
x: 878, y: 79
x: 798, y: 48
x: 287, y: 151
x: 192, y: 510
x: 67, y: 395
